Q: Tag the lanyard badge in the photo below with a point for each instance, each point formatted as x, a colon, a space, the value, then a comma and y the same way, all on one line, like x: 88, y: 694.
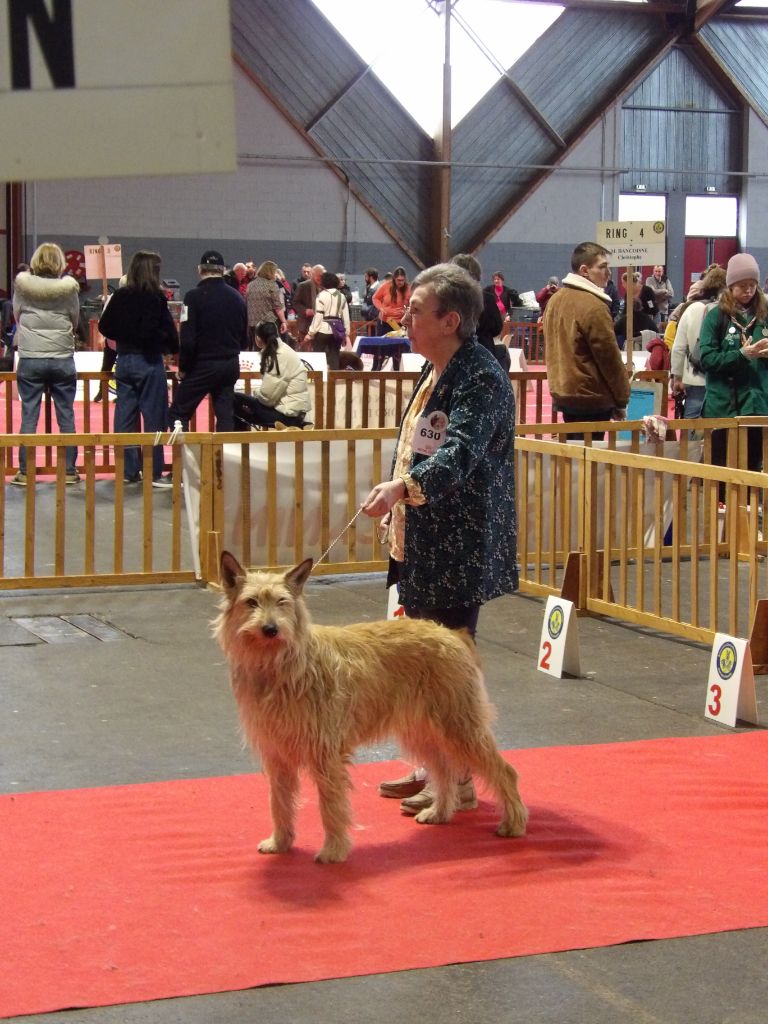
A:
x: 429, y: 433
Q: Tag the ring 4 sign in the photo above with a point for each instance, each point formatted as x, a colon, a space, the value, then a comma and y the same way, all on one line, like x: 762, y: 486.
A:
x: 633, y: 242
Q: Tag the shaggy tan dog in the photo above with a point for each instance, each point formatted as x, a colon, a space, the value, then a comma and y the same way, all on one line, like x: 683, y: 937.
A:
x: 308, y: 695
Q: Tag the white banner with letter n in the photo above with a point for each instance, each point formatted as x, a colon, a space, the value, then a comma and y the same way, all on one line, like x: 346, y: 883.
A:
x: 105, y: 88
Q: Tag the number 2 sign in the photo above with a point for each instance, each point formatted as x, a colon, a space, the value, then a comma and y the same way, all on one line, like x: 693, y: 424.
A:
x: 731, y: 682
x: 559, y: 645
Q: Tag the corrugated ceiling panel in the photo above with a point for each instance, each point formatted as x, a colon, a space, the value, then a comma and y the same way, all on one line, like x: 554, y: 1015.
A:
x: 295, y: 52
x: 498, y: 131
x: 401, y: 192
x: 699, y: 144
x: 580, y: 64
x: 570, y: 74
x: 324, y: 85
x: 679, y: 83
x: 741, y: 48
x: 679, y: 120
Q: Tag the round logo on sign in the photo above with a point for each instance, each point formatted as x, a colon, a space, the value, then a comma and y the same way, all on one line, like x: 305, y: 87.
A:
x: 555, y: 622
x: 726, y: 660
x: 658, y: 227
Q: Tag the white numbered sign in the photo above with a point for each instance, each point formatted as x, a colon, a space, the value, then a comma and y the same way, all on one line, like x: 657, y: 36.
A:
x: 731, y: 682
x: 559, y: 646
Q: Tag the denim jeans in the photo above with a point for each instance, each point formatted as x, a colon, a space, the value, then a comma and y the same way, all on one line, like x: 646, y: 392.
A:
x: 694, y: 400
x: 59, y: 376
x: 142, y: 388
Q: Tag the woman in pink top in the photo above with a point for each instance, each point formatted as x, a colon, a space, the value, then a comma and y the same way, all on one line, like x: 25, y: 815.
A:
x: 390, y: 299
x: 506, y: 299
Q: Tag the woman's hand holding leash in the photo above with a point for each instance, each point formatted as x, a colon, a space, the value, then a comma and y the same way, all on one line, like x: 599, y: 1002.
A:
x: 383, y: 497
x: 378, y: 503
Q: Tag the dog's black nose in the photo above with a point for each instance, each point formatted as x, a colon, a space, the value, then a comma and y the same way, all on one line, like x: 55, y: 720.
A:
x: 270, y: 629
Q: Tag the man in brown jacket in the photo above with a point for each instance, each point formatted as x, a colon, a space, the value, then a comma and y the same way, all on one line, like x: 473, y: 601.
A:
x: 586, y: 375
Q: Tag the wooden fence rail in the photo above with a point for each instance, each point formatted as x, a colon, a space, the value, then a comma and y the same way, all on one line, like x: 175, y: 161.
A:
x: 638, y: 532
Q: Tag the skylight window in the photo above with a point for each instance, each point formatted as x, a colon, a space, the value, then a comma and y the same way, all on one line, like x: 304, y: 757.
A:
x: 404, y: 42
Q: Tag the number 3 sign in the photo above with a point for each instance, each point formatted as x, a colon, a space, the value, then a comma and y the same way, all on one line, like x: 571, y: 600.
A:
x: 559, y: 646
x: 731, y: 682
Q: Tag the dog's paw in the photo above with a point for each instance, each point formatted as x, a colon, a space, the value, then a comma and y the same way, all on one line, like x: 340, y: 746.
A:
x: 274, y: 845
x: 431, y: 816
x: 333, y: 853
x: 513, y: 827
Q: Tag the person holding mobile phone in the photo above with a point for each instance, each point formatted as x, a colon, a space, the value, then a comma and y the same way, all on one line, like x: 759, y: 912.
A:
x: 734, y: 357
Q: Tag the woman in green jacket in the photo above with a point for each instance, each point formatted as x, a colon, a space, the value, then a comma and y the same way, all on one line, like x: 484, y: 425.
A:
x: 734, y: 355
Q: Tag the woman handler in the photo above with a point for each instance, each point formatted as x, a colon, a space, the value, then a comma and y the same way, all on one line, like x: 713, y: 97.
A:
x: 450, y: 505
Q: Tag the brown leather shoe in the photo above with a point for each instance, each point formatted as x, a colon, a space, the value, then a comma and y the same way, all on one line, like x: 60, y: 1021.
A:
x: 467, y: 799
x: 409, y: 785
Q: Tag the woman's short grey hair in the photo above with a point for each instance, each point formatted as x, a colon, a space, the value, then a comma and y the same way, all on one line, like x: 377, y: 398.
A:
x: 456, y: 292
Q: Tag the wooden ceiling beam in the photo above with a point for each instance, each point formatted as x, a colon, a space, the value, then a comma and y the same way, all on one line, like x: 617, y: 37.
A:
x: 706, y: 10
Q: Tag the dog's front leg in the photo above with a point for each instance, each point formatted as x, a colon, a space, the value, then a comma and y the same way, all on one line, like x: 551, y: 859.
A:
x: 283, y: 796
x: 332, y: 781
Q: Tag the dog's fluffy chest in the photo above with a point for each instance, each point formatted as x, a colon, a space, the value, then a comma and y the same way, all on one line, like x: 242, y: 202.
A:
x: 287, y: 714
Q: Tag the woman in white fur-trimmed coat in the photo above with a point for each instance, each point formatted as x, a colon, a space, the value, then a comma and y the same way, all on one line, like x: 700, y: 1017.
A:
x: 46, y: 309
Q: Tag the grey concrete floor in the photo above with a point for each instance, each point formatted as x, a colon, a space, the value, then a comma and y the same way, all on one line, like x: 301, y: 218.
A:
x: 154, y: 704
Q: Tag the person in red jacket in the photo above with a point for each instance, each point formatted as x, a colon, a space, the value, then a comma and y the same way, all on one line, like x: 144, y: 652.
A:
x: 547, y: 292
x: 660, y: 357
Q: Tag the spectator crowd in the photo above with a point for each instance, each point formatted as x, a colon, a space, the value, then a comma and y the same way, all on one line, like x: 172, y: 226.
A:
x: 713, y: 343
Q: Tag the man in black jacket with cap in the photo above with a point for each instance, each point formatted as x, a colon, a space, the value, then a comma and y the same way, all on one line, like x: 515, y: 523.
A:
x: 214, y: 330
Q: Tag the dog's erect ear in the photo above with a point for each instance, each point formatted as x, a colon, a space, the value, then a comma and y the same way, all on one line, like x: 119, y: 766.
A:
x: 231, y: 570
x: 297, y: 576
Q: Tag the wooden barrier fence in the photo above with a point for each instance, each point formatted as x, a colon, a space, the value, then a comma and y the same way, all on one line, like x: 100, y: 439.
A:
x: 527, y: 336
x: 101, y: 531
x: 621, y: 528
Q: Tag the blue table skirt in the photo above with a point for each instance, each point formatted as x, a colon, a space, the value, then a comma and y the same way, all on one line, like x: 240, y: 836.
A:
x: 383, y: 346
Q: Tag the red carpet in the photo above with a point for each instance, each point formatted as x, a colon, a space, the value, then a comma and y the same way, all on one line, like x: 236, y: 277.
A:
x: 141, y: 892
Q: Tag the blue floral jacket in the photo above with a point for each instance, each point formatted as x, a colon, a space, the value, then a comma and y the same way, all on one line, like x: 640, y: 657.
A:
x: 461, y: 546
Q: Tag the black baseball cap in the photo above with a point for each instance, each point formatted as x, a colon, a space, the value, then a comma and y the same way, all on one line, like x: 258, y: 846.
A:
x: 211, y: 258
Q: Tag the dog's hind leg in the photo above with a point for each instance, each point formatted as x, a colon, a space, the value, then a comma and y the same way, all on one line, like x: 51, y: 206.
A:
x: 283, y: 798
x: 502, y: 778
x: 333, y: 784
x: 443, y: 784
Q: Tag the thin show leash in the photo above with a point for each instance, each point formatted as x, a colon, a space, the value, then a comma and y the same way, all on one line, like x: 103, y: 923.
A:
x: 351, y: 521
